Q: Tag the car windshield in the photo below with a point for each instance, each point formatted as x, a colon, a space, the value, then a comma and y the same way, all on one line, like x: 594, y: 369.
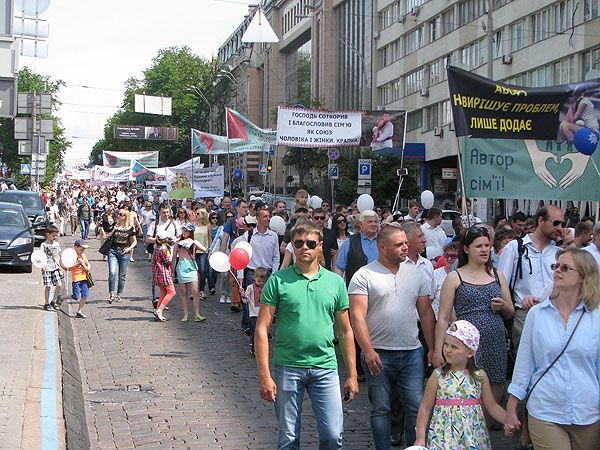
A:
x: 26, y: 201
x: 12, y: 218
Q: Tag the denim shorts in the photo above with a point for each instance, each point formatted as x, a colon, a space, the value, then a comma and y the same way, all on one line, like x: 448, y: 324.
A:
x: 80, y: 289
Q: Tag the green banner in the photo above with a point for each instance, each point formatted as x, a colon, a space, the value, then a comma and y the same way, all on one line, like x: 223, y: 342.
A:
x: 528, y: 169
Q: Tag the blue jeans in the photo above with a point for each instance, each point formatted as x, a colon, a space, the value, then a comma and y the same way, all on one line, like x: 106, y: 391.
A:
x: 202, y: 261
x: 403, y: 372
x: 85, y: 226
x: 323, y: 386
x: 117, y: 268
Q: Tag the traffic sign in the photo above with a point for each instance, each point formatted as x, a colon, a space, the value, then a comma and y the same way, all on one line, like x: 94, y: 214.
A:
x: 25, y: 169
x: 364, y: 169
x: 333, y: 153
x: 262, y: 169
x: 334, y: 172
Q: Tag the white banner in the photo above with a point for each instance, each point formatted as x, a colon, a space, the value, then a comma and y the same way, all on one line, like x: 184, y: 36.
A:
x: 109, y: 175
x: 298, y: 127
x: 153, y: 105
x: 207, y: 182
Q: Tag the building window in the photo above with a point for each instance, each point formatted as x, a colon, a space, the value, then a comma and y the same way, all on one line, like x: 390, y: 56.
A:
x: 389, y: 15
x: 563, y: 15
x: 540, y: 25
x: 473, y: 55
x: 390, y: 53
x: 518, y: 37
x: 414, y: 120
x: 435, y: 28
x: 410, y: 4
x: 414, y: 81
x: 437, y: 71
x: 433, y: 116
x: 564, y: 71
x: 591, y: 9
x: 469, y: 10
x: 591, y: 60
x: 447, y: 21
x: 413, y: 40
x: 498, y: 44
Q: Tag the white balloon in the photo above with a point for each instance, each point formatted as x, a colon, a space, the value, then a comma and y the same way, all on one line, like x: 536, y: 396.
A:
x: 433, y: 252
x: 427, y: 199
x: 217, y: 201
x: 164, y: 195
x: 415, y: 447
x: 92, y: 227
x: 39, y: 259
x: 246, y: 246
x: 365, y: 202
x: 68, y: 257
x: 277, y: 224
x: 219, y: 261
x: 316, y: 201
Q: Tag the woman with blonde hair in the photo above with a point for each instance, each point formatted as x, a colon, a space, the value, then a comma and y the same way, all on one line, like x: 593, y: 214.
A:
x: 557, y: 371
x: 123, y: 242
x: 202, y: 235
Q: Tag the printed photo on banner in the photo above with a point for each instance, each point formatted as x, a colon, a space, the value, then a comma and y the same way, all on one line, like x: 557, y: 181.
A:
x: 383, y: 129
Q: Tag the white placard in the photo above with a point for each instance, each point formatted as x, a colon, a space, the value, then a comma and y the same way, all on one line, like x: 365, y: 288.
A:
x: 209, y: 182
x: 297, y: 127
x: 153, y: 105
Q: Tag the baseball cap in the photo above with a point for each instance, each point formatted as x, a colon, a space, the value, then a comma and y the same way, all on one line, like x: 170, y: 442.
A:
x: 250, y: 221
x: 189, y: 226
x: 81, y: 243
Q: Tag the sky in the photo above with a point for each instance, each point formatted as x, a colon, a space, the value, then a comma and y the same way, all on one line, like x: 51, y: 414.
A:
x: 95, y: 46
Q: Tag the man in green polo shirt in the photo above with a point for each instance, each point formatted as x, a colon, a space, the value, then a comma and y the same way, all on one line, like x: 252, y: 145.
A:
x: 308, y: 300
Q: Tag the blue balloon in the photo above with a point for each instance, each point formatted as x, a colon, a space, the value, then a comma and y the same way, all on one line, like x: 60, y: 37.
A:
x: 237, y: 174
x: 586, y: 141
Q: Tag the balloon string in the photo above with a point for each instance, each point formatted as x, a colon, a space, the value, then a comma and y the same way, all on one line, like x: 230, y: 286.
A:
x: 236, y: 278
x: 595, y: 166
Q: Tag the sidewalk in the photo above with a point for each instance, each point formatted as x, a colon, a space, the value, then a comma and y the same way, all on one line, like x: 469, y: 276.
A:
x: 174, y: 385
x: 30, y: 373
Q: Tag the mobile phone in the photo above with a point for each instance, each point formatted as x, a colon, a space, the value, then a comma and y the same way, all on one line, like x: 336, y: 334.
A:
x: 347, y: 396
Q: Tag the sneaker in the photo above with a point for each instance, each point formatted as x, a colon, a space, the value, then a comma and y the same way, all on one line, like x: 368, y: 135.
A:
x: 184, y: 318
x: 158, y: 317
x: 202, y: 296
x: 222, y: 299
x: 199, y: 318
x: 213, y: 291
x: 131, y: 259
x: 154, y: 303
x: 80, y: 315
x: 111, y: 298
x: 228, y: 299
x: 47, y: 307
x: 252, y: 352
x: 54, y: 305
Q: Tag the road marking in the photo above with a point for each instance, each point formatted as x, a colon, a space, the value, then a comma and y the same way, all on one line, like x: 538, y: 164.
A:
x: 48, y: 409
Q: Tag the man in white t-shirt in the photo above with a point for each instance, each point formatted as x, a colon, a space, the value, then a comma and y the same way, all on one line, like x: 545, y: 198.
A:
x: 435, y: 235
x: 166, y: 225
x: 385, y: 297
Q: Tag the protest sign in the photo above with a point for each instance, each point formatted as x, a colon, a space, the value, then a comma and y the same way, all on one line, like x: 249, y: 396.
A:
x: 123, y: 159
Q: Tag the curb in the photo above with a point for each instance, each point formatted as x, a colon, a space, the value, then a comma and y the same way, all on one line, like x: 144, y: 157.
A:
x: 77, y: 434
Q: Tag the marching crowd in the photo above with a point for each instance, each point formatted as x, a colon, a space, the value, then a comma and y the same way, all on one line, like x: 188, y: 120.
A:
x: 440, y: 328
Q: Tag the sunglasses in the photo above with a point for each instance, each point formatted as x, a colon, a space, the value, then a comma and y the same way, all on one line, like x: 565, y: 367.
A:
x: 318, y: 217
x: 450, y: 255
x: 324, y: 204
x: 341, y: 221
x: 299, y: 243
x: 556, y: 223
x: 477, y: 230
x: 121, y: 214
x: 213, y: 218
x: 229, y: 217
x: 562, y: 268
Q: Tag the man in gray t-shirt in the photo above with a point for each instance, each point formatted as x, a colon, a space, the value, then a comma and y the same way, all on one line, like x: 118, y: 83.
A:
x: 385, y: 296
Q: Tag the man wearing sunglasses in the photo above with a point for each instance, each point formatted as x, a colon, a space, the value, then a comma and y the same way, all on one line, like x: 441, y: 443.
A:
x: 309, y: 300
x: 529, y: 282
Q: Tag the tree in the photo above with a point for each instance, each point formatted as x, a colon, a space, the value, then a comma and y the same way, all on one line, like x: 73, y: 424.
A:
x: 29, y: 81
x: 173, y: 73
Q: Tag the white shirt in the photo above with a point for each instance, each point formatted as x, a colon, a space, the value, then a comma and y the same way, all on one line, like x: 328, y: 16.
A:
x: 170, y: 226
x: 594, y: 251
x: 436, y: 237
x: 439, y: 275
x: 426, y: 269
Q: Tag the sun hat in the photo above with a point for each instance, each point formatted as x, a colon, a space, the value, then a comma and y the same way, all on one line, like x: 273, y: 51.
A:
x: 465, y: 332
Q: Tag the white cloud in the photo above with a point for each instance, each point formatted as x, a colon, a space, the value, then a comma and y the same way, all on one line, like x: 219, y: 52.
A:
x: 101, y: 44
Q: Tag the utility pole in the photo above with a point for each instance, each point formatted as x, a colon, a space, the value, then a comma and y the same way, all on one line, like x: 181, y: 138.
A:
x: 34, y: 146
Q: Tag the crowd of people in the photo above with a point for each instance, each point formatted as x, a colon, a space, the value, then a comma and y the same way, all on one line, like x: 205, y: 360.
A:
x: 441, y: 329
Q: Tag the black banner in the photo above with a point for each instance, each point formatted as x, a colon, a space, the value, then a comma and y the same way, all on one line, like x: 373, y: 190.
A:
x: 141, y: 132
x: 483, y: 108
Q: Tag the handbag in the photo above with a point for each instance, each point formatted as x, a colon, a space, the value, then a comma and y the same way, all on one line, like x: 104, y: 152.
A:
x: 555, y: 359
x: 89, y: 279
x: 106, y: 246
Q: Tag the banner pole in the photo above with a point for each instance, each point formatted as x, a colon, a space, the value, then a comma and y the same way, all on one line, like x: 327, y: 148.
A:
x: 228, y: 158
x: 462, y: 179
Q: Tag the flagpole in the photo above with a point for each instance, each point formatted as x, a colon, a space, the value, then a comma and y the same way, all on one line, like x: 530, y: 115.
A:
x: 228, y: 157
x: 463, y: 206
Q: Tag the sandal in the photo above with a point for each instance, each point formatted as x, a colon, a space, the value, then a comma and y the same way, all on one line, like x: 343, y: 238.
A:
x: 119, y: 299
x: 111, y: 298
x: 159, y: 318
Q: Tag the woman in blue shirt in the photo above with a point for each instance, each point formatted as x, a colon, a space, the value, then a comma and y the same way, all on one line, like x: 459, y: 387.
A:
x: 563, y: 403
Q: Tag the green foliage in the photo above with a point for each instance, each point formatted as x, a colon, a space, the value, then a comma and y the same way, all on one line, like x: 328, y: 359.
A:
x: 29, y: 81
x: 173, y: 72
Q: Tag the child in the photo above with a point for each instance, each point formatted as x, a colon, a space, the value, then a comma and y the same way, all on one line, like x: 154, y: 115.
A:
x: 79, y: 276
x: 252, y: 298
x: 300, y: 200
x: 187, y: 270
x: 162, y: 272
x: 51, y: 273
x: 455, y: 394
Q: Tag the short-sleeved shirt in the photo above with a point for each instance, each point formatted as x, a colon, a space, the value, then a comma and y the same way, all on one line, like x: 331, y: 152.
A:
x: 78, y: 273
x: 122, y: 238
x: 392, y: 304
x: 170, y: 226
x: 369, y: 247
x: 306, y: 311
x: 52, y: 252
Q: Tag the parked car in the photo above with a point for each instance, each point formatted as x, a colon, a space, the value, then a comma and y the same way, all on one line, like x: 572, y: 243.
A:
x: 16, y: 237
x: 448, y: 215
x: 34, y: 207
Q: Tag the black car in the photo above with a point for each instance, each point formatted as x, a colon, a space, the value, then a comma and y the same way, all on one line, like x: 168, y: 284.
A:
x: 16, y: 237
x: 34, y: 207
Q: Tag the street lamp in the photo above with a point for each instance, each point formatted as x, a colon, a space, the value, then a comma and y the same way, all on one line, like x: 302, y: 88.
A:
x: 200, y: 95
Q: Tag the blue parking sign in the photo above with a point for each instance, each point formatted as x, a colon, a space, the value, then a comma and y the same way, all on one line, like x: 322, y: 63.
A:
x: 364, y: 169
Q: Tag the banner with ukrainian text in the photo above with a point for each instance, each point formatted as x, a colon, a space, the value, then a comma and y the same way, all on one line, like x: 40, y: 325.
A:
x: 528, y: 169
x: 484, y: 108
x: 211, y: 144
